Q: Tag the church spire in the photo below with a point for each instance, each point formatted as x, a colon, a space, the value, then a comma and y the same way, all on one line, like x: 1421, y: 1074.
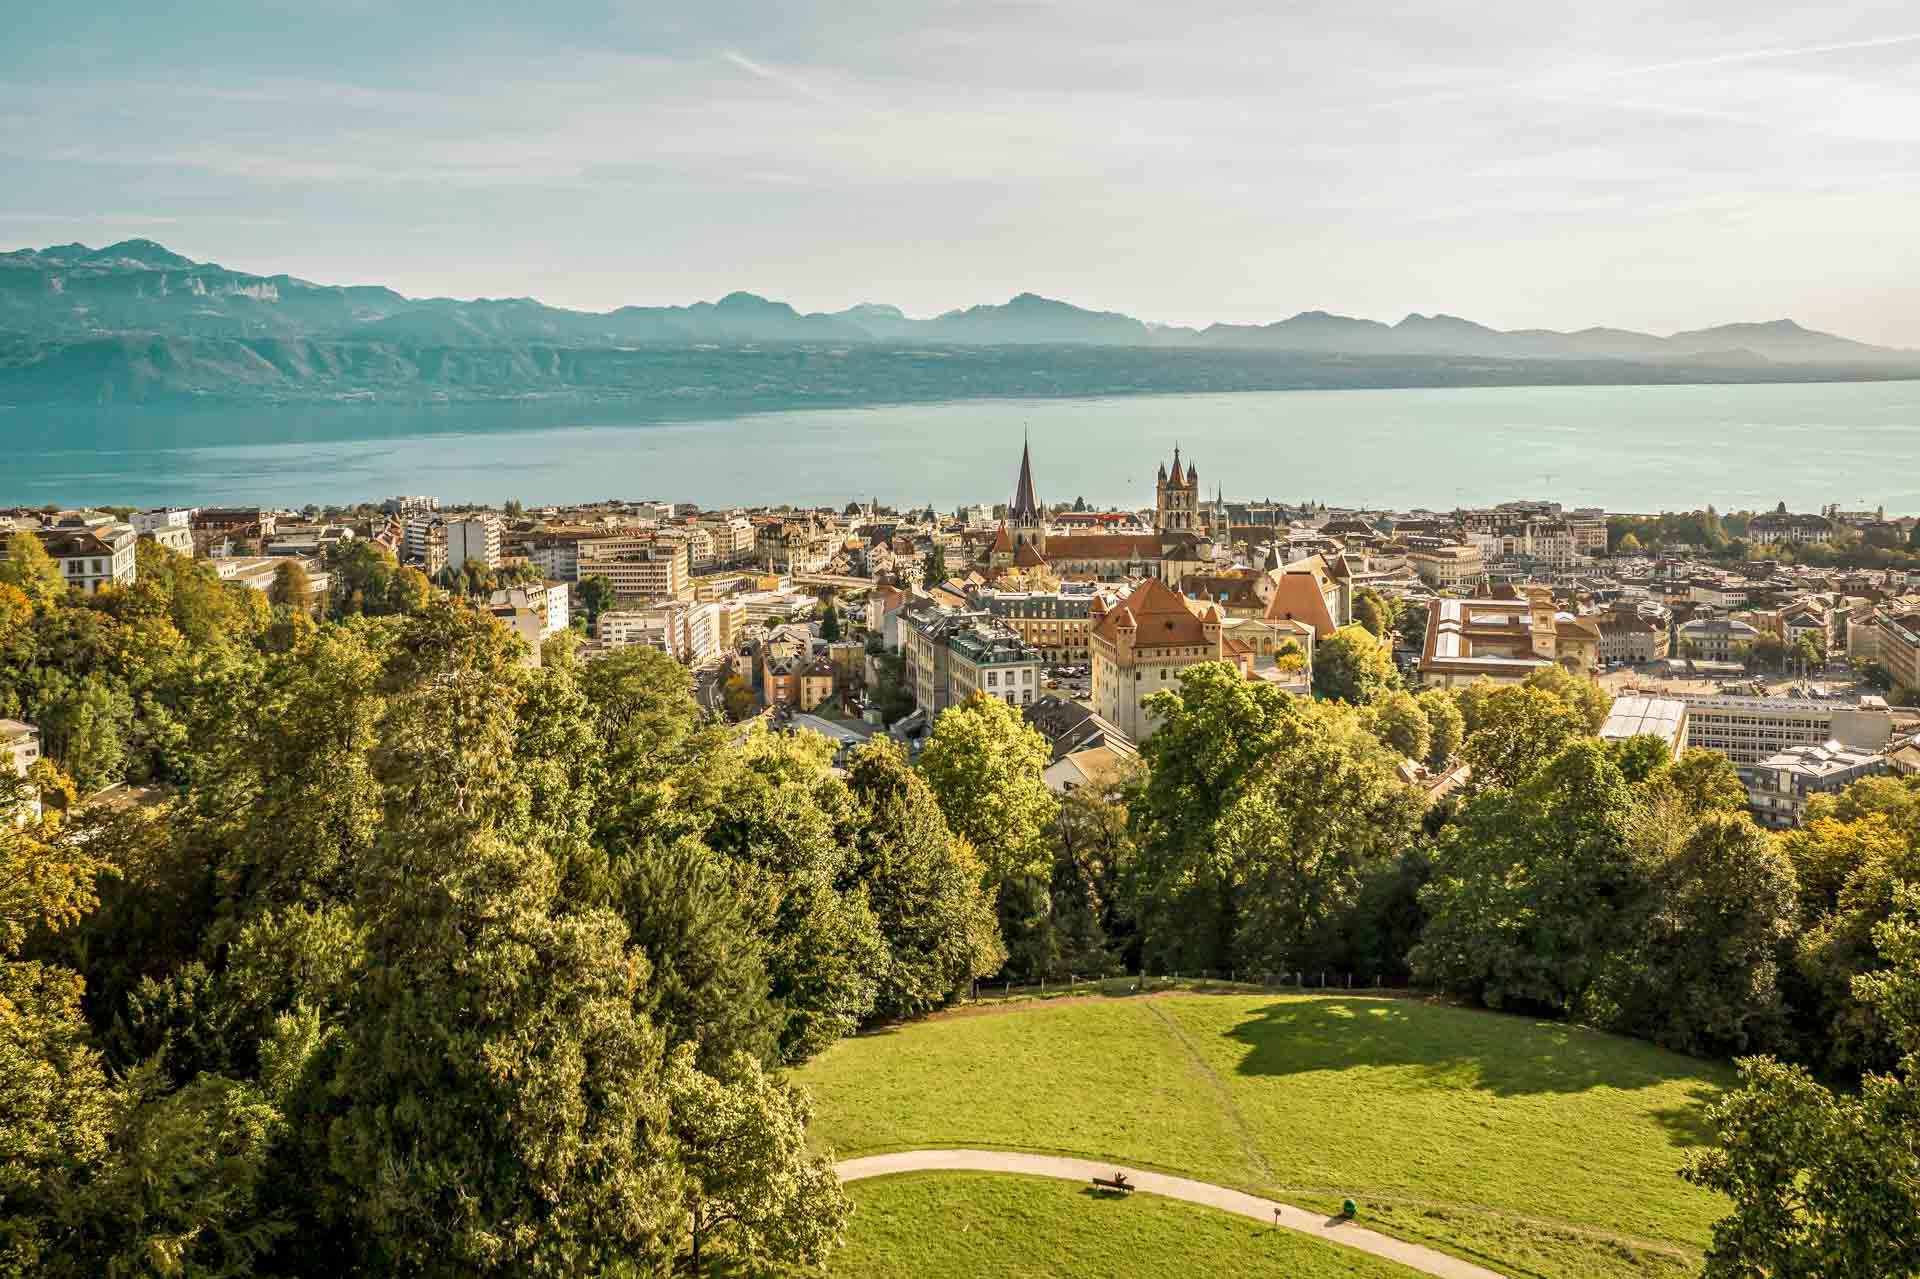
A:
x: 1025, y: 507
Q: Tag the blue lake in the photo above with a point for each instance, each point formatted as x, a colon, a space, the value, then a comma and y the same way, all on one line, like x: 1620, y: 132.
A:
x: 1635, y: 448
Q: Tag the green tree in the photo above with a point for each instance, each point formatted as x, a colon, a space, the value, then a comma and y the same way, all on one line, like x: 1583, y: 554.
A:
x: 1628, y: 545
x: 291, y: 588
x: 697, y: 921
x: 596, y: 593
x: 500, y: 1108
x: 1217, y: 732
x: 936, y: 567
x: 1326, y: 810
x: 754, y: 1193
x: 29, y: 569
x: 736, y: 695
x: 829, y: 621
x: 1519, y: 728
x: 1577, y: 691
x: 1707, y: 782
x: 1822, y: 1183
x: 1374, y: 611
x: 1444, y: 722
x: 656, y: 745
x: 787, y: 823
x: 1641, y: 756
x: 1352, y: 665
x: 923, y: 885
x: 1698, y: 971
x: 1399, y: 720
x: 1529, y: 884
x: 983, y: 764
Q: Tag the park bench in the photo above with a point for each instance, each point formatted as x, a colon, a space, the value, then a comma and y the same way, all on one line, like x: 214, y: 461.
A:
x: 1117, y: 1182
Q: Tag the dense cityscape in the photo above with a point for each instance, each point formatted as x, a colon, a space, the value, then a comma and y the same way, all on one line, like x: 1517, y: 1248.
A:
x: 1787, y: 642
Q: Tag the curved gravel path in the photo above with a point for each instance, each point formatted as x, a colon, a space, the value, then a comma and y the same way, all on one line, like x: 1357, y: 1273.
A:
x: 1335, y: 1231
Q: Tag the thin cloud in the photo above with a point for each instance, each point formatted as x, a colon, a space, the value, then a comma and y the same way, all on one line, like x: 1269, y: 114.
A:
x: 789, y: 82
x: 1768, y: 55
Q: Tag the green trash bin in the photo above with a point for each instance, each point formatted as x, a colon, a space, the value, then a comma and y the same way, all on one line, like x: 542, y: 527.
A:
x: 1349, y: 1209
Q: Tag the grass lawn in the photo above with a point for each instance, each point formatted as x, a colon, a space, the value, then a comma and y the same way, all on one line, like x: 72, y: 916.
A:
x: 996, y: 1227
x: 1535, y: 1148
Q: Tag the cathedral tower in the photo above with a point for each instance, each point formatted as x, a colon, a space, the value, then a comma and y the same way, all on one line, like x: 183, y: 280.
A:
x: 1176, y: 506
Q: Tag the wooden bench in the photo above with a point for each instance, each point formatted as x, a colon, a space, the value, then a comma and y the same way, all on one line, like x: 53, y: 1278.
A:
x: 1116, y: 1182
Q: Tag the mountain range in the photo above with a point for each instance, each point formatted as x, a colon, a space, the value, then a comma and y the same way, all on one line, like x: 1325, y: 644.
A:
x: 137, y: 319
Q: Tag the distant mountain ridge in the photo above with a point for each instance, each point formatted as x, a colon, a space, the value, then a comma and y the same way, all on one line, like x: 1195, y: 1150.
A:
x: 72, y: 291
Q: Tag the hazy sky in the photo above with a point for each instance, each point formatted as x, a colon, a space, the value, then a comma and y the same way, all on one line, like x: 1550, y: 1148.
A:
x: 1519, y: 162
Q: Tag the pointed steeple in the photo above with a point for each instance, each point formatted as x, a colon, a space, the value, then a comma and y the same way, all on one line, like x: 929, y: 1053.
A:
x: 1025, y: 507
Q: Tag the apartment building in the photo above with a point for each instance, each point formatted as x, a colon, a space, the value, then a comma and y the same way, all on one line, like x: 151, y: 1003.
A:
x: 475, y: 539
x: 92, y: 553
x: 1894, y: 641
x: 637, y: 568
x: 696, y: 634
x: 223, y: 522
x: 1627, y: 636
x: 1054, y: 623
x: 1448, y: 568
x: 993, y: 660
x: 424, y: 543
x: 1747, y: 730
x: 547, y: 600
x: 168, y: 526
x: 1779, y: 786
x: 949, y: 655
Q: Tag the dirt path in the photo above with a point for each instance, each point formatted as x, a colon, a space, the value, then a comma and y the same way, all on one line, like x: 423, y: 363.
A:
x: 1333, y: 1230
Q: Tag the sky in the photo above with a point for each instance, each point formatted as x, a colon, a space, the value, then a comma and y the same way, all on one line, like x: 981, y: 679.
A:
x: 1520, y: 162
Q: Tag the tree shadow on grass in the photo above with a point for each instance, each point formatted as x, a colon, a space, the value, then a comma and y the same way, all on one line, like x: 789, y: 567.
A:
x: 1499, y: 1053
x: 1687, y: 1124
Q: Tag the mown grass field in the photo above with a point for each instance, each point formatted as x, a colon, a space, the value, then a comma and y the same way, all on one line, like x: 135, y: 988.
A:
x: 1535, y: 1148
x: 993, y: 1227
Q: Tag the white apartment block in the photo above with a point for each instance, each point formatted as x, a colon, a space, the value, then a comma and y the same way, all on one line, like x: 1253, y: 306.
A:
x: 424, y: 543
x: 637, y: 568
x: 92, y: 555
x: 476, y: 539
x: 695, y: 634
x: 162, y: 517
x: 545, y: 600
x: 1748, y: 730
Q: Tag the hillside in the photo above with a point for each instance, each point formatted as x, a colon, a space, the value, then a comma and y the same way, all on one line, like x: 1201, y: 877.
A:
x: 141, y: 286
x: 137, y: 321
x: 1535, y: 1148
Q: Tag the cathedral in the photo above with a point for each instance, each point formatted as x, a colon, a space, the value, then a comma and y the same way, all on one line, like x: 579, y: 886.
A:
x: 1179, y: 544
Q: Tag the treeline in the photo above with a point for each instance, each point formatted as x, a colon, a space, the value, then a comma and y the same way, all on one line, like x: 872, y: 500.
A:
x: 431, y: 960
x: 426, y: 960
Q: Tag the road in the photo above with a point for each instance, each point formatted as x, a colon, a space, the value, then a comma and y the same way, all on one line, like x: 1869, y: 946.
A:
x: 1334, y: 1230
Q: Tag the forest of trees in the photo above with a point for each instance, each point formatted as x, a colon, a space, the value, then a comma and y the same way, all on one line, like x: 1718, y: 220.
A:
x: 416, y: 957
